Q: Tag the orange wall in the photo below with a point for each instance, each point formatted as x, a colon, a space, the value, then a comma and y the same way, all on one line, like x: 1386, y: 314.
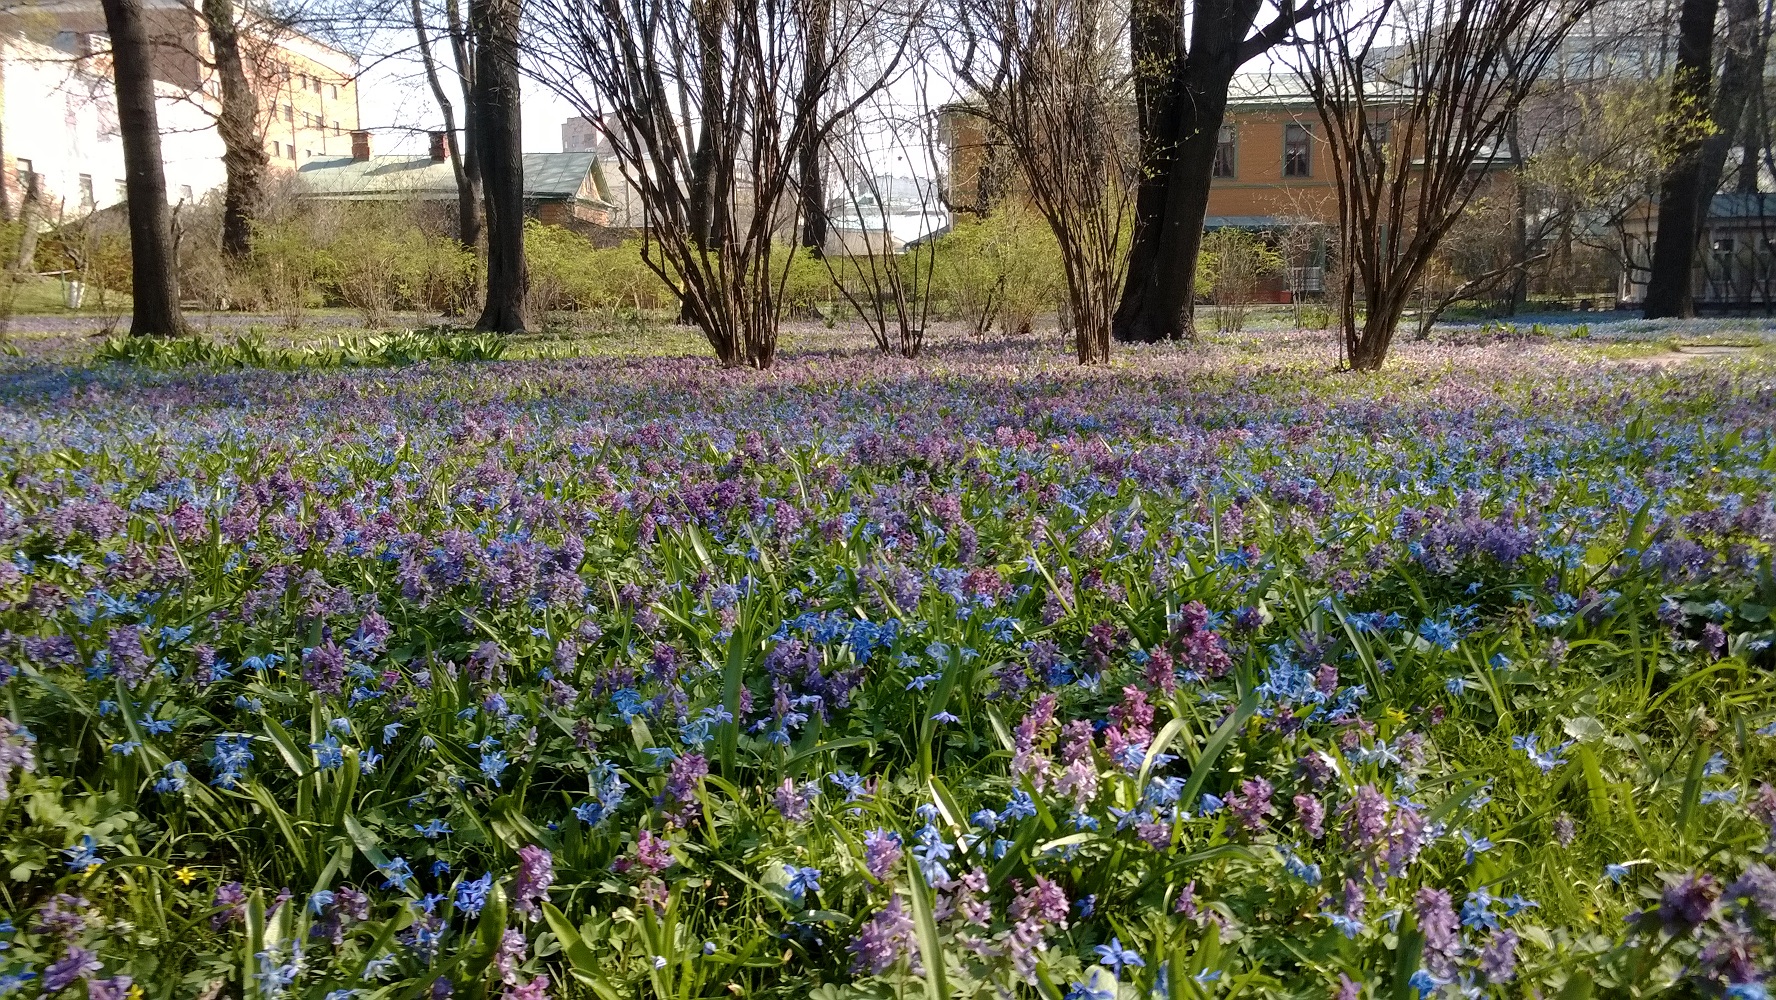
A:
x: 308, y: 108
x: 1258, y: 186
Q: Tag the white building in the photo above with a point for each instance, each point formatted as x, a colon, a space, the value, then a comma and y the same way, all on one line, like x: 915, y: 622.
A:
x: 58, y: 108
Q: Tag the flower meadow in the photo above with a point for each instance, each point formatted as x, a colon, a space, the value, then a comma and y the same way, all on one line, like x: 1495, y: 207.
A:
x: 1207, y: 674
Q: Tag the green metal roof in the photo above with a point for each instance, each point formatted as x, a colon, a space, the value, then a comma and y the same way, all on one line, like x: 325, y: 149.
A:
x: 547, y: 177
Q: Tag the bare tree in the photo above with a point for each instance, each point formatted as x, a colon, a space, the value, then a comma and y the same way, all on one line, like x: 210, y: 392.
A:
x: 493, y: 111
x: 465, y: 161
x: 891, y: 291
x: 237, y: 122
x: 1416, y: 98
x: 811, y: 180
x: 1053, y: 82
x: 719, y: 210
x: 154, y: 273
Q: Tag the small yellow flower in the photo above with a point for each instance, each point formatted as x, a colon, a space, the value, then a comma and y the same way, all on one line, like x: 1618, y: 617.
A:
x: 135, y: 991
x: 185, y: 875
x: 1395, y: 716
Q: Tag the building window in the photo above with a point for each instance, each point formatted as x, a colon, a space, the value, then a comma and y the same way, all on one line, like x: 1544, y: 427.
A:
x: 337, y: 130
x: 122, y: 189
x: 317, y: 84
x: 1380, y: 134
x: 86, y: 191
x: 1225, y: 152
x: 336, y: 92
x: 292, y: 150
x: 27, y: 178
x: 289, y: 114
x: 1297, y: 156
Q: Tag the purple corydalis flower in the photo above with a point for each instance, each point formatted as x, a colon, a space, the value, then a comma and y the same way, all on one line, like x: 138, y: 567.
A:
x: 881, y: 853
x: 791, y: 801
x: 1564, y: 830
x: 536, y: 872
x: 1437, y: 922
x: 1365, y: 817
x: 231, y: 899
x: 323, y: 668
x: 1251, y: 804
x: 1686, y: 903
x: 15, y: 754
x: 652, y: 852
x: 884, y: 940
x: 1312, y: 815
x: 129, y: 661
x: 1186, y: 904
x: 78, y: 963
x: 1498, y: 960
x: 1757, y: 887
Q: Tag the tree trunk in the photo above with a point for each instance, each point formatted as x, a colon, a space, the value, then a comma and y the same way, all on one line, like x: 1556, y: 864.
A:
x: 465, y: 158
x: 30, y: 218
x: 1155, y: 31
x: 1734, y: 97
x: 1180, y: 115
x: 705, y: 166
x: 1159, y: 298
x: 811, y: 184
x: 243, y: 148
x: 1669, y: 292
x: 153, y: 270
x: 495, y: 108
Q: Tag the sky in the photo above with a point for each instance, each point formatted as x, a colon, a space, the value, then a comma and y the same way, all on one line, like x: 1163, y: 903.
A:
x: 397, y: 107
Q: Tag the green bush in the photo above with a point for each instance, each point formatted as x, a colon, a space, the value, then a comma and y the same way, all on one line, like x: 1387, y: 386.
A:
x: 1004, y: 269
x: 570, y: 272
x: 1230, y: 268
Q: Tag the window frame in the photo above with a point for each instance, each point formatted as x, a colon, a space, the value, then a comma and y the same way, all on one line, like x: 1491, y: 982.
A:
x: 1306, y: 150
x: 1226, y: 139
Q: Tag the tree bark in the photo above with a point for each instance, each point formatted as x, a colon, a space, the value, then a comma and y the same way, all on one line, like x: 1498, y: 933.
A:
x: 702, y: 187
x: 811, y: 183
x: 154, y: 271
x: 1734, y: 98
x: 465, y: 165
x: 1669, y: 292
x: 243, y: 147
x: 30, y: 218
x: 495, y: 24
x: 1181, y: 100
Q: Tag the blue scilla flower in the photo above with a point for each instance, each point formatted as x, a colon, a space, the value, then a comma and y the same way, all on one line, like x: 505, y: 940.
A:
x: 84, y: 856
x: 328, y: 753
x: 1116, y: 958
x: 493, y: 765
x: 471, y: 896
x: 172, y: 778
x: 397, y: 873
x: 802, y: 881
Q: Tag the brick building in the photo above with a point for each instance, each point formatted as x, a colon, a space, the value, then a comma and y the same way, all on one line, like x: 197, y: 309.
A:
x: 1270, y: 167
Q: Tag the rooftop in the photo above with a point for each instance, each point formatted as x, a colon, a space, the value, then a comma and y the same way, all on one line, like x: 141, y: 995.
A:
x: 547, y: 177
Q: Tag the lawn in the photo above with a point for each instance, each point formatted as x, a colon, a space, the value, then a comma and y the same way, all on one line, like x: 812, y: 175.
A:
x: 598, y: 671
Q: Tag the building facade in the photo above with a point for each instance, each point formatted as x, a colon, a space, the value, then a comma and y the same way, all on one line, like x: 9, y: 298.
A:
x: 58, y: 111
x: 1270, y: 163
